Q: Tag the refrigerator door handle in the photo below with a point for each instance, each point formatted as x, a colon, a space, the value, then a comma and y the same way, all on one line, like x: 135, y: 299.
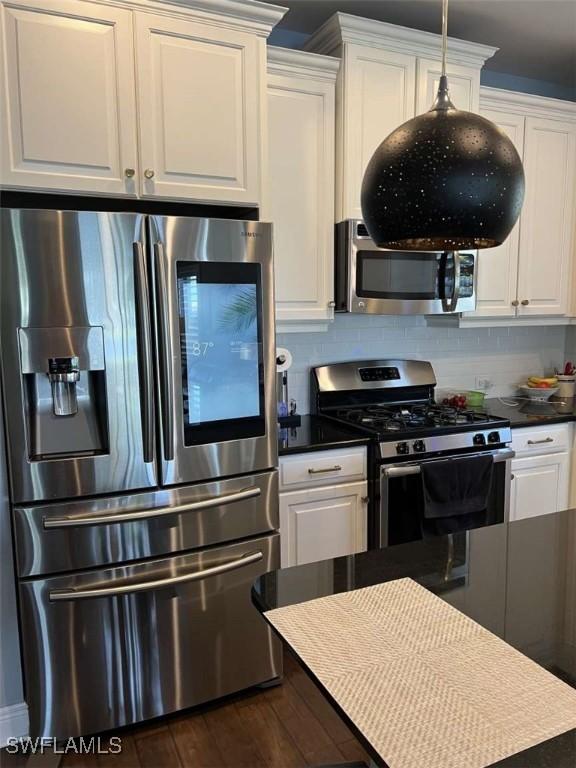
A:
x: 110, y: 518
x: 165, y: 353
x: 119, y: 586
x: 144, y: 342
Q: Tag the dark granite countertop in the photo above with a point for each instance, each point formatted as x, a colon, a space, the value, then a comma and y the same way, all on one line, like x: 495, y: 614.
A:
x: 527, y: 414
x: 516, y: 580
x: 317, y: 434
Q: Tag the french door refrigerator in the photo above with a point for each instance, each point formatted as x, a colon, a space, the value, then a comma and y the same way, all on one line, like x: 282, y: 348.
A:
x: 138, y: 383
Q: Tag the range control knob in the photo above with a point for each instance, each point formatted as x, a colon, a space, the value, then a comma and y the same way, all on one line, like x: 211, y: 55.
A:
x: 419, y: 446
x: 402, y: 448
x: 494, y: 437
x: 479, y: 439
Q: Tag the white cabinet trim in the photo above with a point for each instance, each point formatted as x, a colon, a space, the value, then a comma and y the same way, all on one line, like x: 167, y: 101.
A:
x: 526, y: 104
x: 346, y: 28
x: 247, y: 15
x: 286, y: 61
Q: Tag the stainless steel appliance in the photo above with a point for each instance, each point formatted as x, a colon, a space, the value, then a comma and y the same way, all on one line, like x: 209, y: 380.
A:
x: 393, y: 400
x: 138, y: 373
x: 381, y: 281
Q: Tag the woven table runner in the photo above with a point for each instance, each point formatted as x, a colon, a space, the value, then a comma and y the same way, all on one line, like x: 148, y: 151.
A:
x: 427, y: 686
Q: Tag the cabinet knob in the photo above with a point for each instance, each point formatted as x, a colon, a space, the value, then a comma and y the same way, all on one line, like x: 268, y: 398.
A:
x: 515, y: 303
x: 365, y: 499
x: 129, y: 172
x: 148, y: 173
x: 331, y: 303
x: 524, y: 302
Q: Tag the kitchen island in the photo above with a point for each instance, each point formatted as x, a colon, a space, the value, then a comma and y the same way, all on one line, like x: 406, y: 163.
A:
x: 517, y: 580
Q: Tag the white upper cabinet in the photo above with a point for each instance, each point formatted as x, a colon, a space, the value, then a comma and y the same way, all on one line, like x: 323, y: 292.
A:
x: 388, y: 74
x: 376, y: 95
x: 547, y: 228
x: 68, y: 101
x: 497, y: 268
x: 199, y: 96
x: 299, y: 195
x: 529, y: 274
x: 107, y: 100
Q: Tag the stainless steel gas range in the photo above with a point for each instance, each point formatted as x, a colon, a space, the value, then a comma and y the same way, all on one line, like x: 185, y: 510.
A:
x: 138, y: 375
x: 393, y: 401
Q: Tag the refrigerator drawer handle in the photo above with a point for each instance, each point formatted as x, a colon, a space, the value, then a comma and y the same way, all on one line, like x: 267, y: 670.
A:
x: 166, y: 353
x: 144, y: 336
x: 111, y: 589
x: 110, y: 518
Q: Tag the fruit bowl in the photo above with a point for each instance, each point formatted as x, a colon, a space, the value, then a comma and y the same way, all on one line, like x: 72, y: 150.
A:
x: 538, y: 394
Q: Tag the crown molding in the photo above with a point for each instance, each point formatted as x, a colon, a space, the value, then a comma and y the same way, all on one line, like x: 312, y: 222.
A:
x: 527, y: 103
x: 345, y: 28
x: 287, y: 61
x: 252, y: 15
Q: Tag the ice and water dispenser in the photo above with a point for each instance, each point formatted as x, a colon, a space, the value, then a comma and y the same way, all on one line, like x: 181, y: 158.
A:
x: 63, y: 371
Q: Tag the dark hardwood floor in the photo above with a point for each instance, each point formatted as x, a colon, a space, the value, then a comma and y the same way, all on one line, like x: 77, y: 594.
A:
x: 288, y: 726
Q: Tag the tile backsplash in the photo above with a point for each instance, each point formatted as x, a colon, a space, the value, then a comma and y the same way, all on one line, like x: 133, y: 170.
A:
x: 459, y: 355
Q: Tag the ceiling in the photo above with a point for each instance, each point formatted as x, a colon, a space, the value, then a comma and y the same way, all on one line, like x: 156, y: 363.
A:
x: 537, y: 38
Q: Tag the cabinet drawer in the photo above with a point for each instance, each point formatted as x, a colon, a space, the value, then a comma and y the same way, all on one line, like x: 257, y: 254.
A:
x: 322, y: 468
x: 538, y: 440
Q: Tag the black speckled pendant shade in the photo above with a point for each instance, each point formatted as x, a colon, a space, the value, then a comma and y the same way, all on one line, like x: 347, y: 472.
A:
x: 445, y: 180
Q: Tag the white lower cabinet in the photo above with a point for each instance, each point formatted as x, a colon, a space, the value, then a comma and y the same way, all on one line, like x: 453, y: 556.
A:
x: 321, y: 523
x: 540, y: 471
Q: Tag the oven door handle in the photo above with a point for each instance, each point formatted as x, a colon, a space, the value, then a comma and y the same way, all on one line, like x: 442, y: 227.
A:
x: 113, y: 589
x: 110, y: 518
x: 414, y: 469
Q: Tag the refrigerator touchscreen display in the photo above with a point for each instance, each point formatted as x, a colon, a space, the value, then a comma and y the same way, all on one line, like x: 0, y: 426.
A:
x: 221, y: 351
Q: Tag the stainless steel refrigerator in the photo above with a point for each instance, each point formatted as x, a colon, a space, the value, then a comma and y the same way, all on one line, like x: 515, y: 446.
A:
x: 138, y: 382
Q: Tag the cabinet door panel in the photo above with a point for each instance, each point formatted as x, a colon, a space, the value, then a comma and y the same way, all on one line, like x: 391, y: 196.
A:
x: 199, y: 100
x: 300, y: 195
x: 464, y: 84
x: 540, y: 485
x: 322, y: 523
x: 497, y: 268
x: 546, y: 229
x: 376, y: 95
x: 69, y: 105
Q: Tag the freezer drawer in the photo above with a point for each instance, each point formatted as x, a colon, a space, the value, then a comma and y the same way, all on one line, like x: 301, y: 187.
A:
x: 163, y: 635
x: 85, y: 534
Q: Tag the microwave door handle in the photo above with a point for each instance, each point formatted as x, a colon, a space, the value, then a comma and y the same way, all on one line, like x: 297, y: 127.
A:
x: 144, y: 344
x: 450, y: 304
x: 165, y: 352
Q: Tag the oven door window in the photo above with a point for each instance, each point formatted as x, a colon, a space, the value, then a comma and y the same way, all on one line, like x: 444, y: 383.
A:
x: 406, y: 275
x: 220, y: 314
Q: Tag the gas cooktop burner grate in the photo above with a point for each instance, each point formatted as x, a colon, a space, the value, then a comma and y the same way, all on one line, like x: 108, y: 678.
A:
x: 386, y: 418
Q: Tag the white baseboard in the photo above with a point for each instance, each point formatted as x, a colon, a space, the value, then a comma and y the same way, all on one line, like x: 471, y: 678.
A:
x: 13, y: 722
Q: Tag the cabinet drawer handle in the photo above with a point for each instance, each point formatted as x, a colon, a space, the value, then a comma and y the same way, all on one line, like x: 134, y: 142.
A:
x: 335, y: 468
x: 538, y: 442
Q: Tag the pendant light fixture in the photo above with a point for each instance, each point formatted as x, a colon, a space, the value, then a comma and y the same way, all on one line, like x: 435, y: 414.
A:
x: 445, y: 180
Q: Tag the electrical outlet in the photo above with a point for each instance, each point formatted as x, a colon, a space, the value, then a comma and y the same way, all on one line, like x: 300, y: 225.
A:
x: 483, y: 383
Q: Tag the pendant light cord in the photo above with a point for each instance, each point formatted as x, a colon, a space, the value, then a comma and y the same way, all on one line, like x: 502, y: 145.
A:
x: 444, y: 34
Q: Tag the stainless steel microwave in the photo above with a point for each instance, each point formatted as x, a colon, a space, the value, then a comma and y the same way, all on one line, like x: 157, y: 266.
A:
x: 381, y: 281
